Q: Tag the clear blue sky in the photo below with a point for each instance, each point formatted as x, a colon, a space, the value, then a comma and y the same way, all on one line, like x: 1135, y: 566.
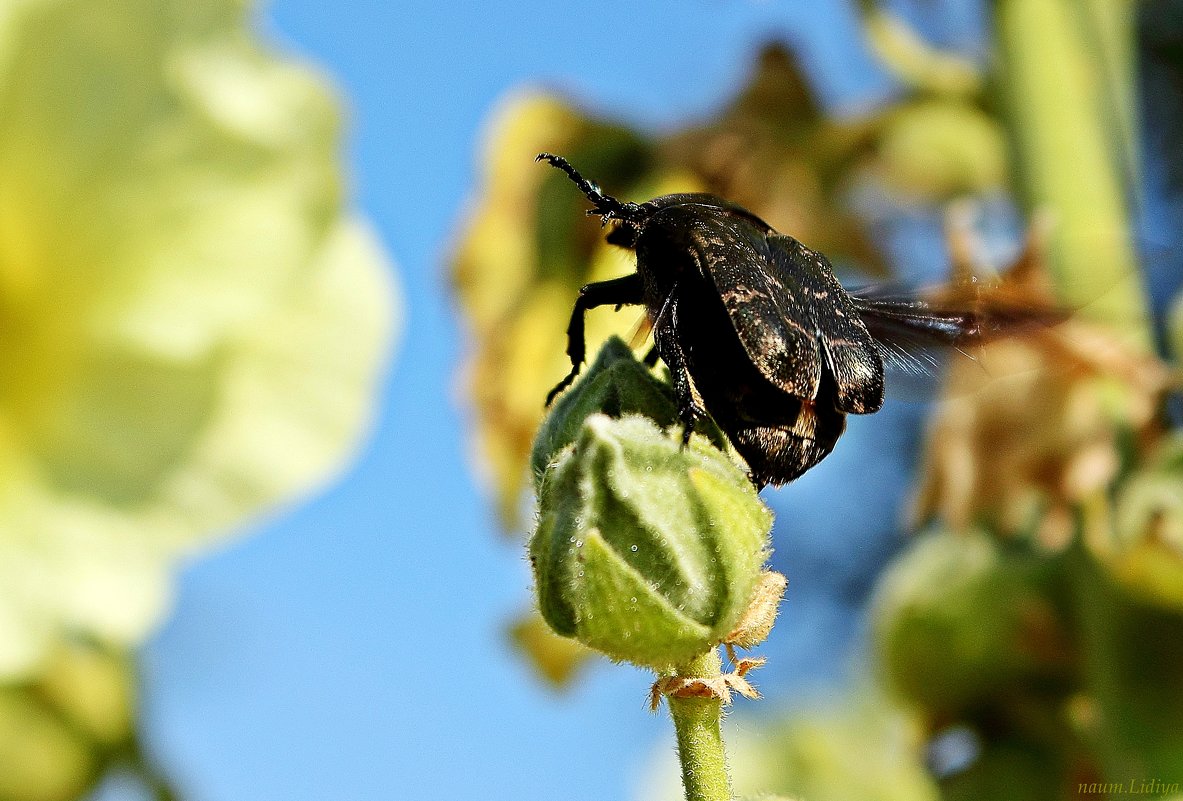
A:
x: 353, y: 648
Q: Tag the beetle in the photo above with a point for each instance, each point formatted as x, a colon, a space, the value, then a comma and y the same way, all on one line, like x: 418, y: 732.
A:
x: 755, y: 328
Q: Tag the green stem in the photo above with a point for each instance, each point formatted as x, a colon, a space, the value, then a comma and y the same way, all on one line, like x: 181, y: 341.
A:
x: 1066, y: 81
x: 1096, y: 612
x: 700, y: 739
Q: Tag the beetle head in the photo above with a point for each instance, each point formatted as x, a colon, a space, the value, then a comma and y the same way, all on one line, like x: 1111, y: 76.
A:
x: 631, y: 216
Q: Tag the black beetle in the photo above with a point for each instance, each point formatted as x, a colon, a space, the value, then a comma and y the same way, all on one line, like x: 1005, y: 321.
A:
x: 754, y: 326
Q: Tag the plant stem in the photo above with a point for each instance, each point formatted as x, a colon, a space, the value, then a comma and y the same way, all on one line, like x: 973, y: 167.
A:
x: 700, y: 739
x: 1066, y: 82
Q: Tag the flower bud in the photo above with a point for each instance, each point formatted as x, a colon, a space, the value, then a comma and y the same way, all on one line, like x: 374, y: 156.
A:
x: 616, y: 384
x: 957, y: 620
x: 57, y: 730
x: 1146, y: 555
x: 646, y: 550
x: 941, y: 149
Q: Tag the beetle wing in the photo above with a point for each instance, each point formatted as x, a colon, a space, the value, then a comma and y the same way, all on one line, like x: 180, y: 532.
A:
x: 851, y: 354
x: 911, y: 328
x: 911, y: 335
x: 768, y: 308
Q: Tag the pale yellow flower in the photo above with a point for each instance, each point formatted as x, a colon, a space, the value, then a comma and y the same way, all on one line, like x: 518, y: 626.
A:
x: 191, y: 325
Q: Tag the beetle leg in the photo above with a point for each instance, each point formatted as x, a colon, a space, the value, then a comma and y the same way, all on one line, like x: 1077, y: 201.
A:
x: 651, y: 358
x: 625, y: 291
x: 690, y: 405
x: 690, y: 411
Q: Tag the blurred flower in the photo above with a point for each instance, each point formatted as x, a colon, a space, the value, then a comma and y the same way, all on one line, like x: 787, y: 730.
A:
x: 775, y: 150
x: 192, y: 325
x: 525, y: 250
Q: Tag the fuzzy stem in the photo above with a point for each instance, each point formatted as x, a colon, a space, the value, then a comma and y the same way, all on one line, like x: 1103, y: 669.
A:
x: 700, y: 739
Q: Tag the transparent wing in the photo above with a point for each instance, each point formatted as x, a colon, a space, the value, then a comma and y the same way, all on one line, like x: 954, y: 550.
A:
x: 917, y: 332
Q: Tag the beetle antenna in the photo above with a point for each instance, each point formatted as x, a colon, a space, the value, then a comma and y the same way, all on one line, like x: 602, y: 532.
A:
x: 606, y: 206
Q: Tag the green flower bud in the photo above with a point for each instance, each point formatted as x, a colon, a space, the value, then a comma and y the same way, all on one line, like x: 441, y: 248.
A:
x: 957, y: 620
x: 57, y: 731
x: 942, y: 148
x: 1146, y: 557
x: 41, y: 757
x: 646, y: 550
x: 616, y: 384
x: 93, y: 688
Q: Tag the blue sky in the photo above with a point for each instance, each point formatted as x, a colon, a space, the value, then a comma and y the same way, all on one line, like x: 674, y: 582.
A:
x: 352, y: 648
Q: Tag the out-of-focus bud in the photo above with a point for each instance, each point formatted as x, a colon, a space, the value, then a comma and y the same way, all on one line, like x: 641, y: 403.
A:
x: 616, y: 384
x: 939, y: 149
x: 56, y: 731
x: 1147, y: 557
x: 956, y: 619
x: 41, y: 759
x: 93, y: 688
x: 646, y: 550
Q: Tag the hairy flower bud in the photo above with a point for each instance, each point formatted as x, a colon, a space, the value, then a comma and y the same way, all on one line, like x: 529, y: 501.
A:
x: 646, y: 550
x: 616, y: 384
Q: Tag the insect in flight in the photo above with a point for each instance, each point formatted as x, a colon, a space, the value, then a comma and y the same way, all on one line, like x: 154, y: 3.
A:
x: 755, y: 328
